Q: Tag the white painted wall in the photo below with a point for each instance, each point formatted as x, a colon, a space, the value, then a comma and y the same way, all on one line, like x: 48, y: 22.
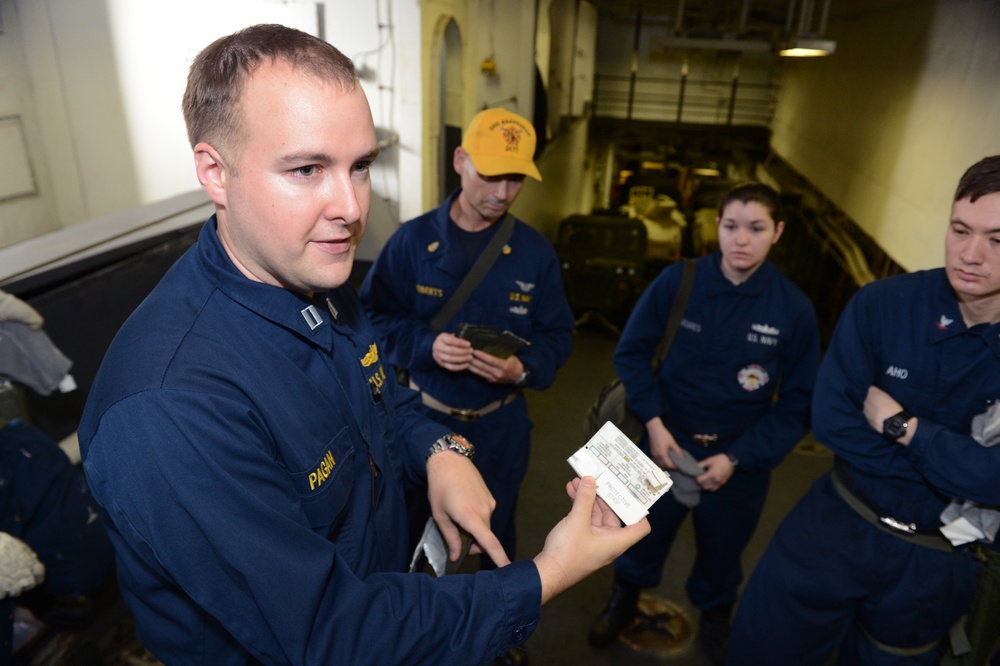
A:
x: 99, y: 84
x: 68, y: 46
x: 153, y: 44
x: 505, y: 31
x: 888, y: 124
x: 383, y: 39
x: 22, y: 216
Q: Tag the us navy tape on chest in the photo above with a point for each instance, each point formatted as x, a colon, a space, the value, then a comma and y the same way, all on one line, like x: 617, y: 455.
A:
x: 759, y: 333
x: 763, y: 334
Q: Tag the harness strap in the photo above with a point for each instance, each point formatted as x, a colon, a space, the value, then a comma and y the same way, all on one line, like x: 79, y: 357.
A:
x: 897, y: 651
x: 475, y: 275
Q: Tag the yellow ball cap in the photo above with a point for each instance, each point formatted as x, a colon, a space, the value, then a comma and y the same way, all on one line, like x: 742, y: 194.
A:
x: 500, y: 142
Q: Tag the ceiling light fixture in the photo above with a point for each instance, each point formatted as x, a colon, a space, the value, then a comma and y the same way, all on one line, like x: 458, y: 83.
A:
x: 807, y: 47
x: 806, y: 39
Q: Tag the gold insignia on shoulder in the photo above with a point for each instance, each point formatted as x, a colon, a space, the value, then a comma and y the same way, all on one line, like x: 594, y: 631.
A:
x: 506, y: 249
x: 433, y: 246
x: 371, y: 357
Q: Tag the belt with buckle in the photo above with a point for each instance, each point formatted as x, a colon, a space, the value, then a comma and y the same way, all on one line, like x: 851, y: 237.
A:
x: 705, y: 439
x: 463, y: 414
x: 894, y: 526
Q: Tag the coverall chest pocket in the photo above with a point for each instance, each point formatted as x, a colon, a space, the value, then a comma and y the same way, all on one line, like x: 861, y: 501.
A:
x: 325, y: 486
x: 909, y: 384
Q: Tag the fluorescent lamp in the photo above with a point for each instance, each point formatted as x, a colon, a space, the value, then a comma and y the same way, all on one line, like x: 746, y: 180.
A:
x: 807, y: 47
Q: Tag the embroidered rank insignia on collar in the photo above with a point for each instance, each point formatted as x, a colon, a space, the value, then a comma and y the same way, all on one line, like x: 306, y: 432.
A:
x: 312, y: 316
x: 333, y: 311
x: 943, y: 323
x: 434, y: 246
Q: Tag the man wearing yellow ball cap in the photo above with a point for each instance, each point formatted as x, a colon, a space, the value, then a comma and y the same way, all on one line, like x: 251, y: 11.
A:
x: 500, y: 143
x: 472, y: 385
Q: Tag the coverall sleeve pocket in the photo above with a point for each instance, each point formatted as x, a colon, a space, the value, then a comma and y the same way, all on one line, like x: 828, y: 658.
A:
x: 325, y: 487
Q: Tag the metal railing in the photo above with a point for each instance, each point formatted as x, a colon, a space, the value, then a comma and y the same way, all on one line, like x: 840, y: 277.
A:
x: 684, y: 100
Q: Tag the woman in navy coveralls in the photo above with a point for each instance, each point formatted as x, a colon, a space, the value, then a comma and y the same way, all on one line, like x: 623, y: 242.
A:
x: 746, y: 331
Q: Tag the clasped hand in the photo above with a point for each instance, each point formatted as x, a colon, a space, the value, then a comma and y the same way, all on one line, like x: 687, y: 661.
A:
x: 718, y: 468
x: 456, y: 354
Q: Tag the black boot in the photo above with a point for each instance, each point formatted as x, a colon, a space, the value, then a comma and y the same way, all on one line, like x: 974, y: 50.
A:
x: 713, y: 635
x: 617, y: 614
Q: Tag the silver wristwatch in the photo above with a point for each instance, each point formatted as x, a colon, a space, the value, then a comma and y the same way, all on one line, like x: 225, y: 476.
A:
x: 453, y: 442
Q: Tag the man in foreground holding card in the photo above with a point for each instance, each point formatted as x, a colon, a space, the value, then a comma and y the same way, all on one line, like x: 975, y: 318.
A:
x: 246, y: 452
x: 473, y: 388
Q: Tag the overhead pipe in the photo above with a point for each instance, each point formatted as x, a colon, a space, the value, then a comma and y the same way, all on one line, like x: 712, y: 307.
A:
x: 790, y: 17
x: 744, y: 17
x: 635, y: 64
x: 732, y: 91
x: 823, y: 18
x: 680, y: 97
x: 805, y: 17
x: 573, y: 58
x: 806, y: 23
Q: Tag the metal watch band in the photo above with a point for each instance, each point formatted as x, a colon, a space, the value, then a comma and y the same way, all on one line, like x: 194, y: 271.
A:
x: 449, y: 442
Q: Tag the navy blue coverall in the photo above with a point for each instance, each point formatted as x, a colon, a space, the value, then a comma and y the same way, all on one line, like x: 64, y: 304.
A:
x: 45, y: 502
x: 736, y: 344
x: 249, y: 454
x: 830, y: 579
x: 415, y: 274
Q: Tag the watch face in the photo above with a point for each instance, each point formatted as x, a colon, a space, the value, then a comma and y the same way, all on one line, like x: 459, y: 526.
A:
x: 894, y: 427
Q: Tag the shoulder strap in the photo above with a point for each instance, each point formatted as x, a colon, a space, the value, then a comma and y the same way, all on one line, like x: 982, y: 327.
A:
x: 475, y: 274
x: 681, y: 299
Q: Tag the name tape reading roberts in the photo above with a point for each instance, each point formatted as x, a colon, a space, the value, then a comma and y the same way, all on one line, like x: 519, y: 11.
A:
x: 626, y: 478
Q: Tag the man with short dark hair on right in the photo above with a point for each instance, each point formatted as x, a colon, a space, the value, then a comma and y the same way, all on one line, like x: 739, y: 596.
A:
x: 861, y: 566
